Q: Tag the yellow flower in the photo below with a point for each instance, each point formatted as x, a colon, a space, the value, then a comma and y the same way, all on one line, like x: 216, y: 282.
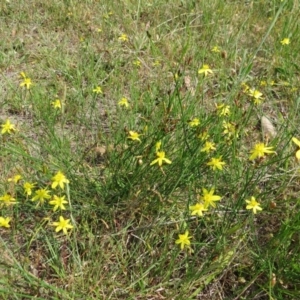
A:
x: 97, y: 90
x: 56, y: 103
x: 59, y: 179
x: 4, y: 222
x: 15, y: 178
x: 28, y: 188
x: 229, y: 129
x: 123, y: 37
x: 156, y: 63
x: 8, y: 127
x: 205, y: 70
x: 161, y: 157
x: 194, y: 123
x: 245, y: 87
x: 26, y: 81
x: 7, y: 200
x: 216, y: 163
x: 58, y: 202
x: 285, y: 41
x: 197, y: 209
x: 297, y: 142
x: 176, y: 76
x: 223, y: 110
x: 62, y: 224
x: 294, y: 89
x: 134, y: 136
x: 260, y: 150
x: 107, y: 15
x: 209, y: 198
x: 184, y: 240
x: 203, y: 136
x: 253, y: 204
x: 123, y: 102
x: 209, y: 146
x: 137, y: 63
x: 257, y: 96
x: 41, y: 195
x: 215, y: 49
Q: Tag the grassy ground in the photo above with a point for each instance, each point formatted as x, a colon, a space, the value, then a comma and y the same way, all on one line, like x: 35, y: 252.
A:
x: 137, y: 229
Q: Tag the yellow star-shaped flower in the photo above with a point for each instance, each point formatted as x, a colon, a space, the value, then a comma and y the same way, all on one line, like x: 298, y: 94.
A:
x: 98, y: 90
x: 8, y: 127
x: 62, y: 224
x: 161, y: 157
x: 205, y: 70
x: 208, y: 147
x: 59, y: 179
x: 209, y: 198
x: 58, y: 202
x: 123, y: 102
x: 216, y: 163
x: 253, y: 204
x: 197, y: 209
x: 26, y: 81
x: 133, y: 135
x: 123, y: 37
x: 256, y: 95
x: 260, y: 150
x: 56, y: 103
x: 41, y: 195
x: 184, y: 240
x: 195, y: 122
x: 285, y: 41
x: 4, y: 222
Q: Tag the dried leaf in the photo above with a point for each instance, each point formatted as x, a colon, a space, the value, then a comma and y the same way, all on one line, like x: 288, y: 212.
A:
x: 188, y: 85
x: 267, y: 127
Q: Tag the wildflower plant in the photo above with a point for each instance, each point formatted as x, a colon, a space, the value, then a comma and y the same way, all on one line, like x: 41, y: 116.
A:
x: 168, y: 157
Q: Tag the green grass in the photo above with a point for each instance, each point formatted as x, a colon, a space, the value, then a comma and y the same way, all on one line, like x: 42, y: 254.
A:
x: 127, y: 214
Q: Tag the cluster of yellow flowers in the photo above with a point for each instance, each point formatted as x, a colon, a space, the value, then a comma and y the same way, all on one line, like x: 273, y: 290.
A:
x: 29, y: 189
x: 39, y: 195
x: 208, y: 198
